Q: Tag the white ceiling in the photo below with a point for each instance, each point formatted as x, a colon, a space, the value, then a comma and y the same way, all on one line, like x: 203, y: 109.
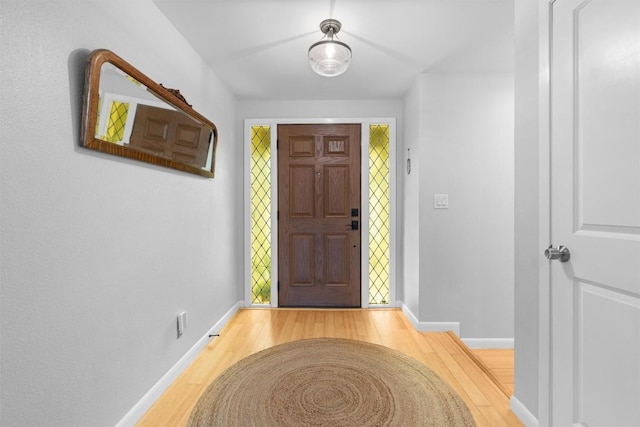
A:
x: 259, y: 47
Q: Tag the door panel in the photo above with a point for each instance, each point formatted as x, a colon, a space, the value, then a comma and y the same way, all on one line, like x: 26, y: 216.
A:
x: 607, y: 328
x: 319, y: 252
x: 336, y: 255
x: 595, y: 212
x: 336, y: 192
x: 302, y: 272
x: 302, y: 191
x: 302, y: 146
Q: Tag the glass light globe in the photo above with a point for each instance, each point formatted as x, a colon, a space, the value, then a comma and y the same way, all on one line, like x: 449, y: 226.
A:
x: 329, y: 57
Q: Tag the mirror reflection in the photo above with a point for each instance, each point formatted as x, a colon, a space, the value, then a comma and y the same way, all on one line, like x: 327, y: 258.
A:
x: 132, y: 116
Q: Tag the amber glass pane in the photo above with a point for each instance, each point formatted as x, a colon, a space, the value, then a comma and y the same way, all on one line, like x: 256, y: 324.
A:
x: 379, y: 204
x: 117, y: 121
x: 261, y: 214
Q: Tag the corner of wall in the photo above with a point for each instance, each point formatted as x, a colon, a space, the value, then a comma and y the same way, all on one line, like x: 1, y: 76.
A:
x: 429, y: 326
x: 523, y: 414
x: 150, y: 397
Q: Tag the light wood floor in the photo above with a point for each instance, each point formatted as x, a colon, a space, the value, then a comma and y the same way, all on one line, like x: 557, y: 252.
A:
x: 499, y: 364
x: 252, y: 330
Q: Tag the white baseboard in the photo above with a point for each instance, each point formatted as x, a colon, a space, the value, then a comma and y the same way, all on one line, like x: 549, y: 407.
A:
x: 488, y: 342
x: 522, y: 413
x: 429, y: 326
x: 455, y: 327
x: 139, y: 409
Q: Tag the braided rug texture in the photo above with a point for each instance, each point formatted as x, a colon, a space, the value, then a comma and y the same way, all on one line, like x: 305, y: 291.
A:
x: 329, y: 382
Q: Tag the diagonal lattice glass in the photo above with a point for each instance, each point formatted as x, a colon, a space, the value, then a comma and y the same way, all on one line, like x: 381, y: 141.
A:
x: 379, y: 225
x: 117, y: 121
x: 260, y: 214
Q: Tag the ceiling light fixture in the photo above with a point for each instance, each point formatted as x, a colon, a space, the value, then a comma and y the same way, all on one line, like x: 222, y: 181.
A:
x: 329, y: 57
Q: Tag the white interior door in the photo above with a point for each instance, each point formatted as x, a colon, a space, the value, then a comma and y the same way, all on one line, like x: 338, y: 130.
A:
x: 595, y: 212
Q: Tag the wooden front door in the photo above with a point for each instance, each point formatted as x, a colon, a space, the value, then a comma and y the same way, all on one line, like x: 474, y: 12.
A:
x: 595, y: 212
x: 319, y: 215
x: 170, y: 134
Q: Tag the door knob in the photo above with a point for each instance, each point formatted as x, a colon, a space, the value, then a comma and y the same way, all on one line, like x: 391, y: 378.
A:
x: 561, y: 252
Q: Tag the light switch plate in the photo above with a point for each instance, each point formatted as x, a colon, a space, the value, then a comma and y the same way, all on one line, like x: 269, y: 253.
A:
x: 182, y: 322
x: 441, y: 201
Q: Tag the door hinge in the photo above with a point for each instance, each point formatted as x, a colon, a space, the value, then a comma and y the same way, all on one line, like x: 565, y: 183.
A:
x: 277, y: 144
x: 278, y: 216
x: 278, y: 285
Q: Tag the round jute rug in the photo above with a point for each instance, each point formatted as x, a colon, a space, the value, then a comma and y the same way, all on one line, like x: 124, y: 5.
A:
x: 329, y: 382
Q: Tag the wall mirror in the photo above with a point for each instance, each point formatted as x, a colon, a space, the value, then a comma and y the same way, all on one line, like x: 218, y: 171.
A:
x: 127, y: 114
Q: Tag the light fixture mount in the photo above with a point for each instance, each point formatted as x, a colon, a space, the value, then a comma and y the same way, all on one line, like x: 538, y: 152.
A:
x: 329, y: 57
x: 329, y: 25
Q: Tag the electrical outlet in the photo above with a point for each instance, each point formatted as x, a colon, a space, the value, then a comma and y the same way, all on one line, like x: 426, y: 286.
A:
x: 182, y: 322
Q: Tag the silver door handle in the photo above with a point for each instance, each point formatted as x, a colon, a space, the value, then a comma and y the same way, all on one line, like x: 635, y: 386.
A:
x: 561, y: 252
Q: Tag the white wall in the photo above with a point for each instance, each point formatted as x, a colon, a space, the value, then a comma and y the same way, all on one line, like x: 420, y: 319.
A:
x: 466, y: 251
x: 410, y: 212
x: 249, y: 109
x: 99, y: 253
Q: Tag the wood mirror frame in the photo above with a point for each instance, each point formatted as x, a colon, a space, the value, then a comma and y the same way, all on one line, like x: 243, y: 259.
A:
x: 164, y: 131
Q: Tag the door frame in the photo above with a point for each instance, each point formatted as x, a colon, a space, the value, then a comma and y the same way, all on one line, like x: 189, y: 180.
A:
x: 364, y: 215
x: 545, y: 372
x: 545, y: 321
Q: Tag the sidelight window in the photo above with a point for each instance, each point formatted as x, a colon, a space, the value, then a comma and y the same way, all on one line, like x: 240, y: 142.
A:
x: 260, y: 206
x: 117, y: 122
x: 379, y: 214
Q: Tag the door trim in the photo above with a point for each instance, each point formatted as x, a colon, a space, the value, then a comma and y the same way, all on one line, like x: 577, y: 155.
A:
x: 364, y: 218
x: 545, y: 324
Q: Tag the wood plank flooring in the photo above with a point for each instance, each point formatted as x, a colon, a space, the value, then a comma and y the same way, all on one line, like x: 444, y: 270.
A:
x: 252, y: 330
x: 500, y: 364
